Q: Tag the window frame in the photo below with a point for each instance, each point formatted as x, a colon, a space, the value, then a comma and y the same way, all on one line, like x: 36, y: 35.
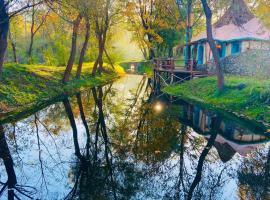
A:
x: 236, y: 47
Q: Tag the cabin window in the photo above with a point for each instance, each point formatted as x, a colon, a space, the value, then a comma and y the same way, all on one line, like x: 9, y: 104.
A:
x: 236, y: 48
x: 200, y: 54
x: 221, y: 49
x: 185, y: 53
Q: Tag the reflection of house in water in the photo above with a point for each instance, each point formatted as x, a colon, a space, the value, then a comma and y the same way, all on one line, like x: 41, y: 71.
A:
x: 231, y: 137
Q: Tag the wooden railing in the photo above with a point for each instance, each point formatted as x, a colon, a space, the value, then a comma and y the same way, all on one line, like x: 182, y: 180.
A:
x: 171, y: 63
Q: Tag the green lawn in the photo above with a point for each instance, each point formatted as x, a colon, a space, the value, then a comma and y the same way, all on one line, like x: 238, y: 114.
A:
x: 244, y: 96
x: 25, y: 86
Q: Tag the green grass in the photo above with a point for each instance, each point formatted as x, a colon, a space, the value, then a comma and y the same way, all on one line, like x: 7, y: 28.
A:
x: 26, y: 86
x: 251, y: 101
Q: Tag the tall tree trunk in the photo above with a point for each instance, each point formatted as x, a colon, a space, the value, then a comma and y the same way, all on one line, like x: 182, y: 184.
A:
x: 4, y: 27
x: 13, y: 45
x: 29, y: 53
x: 72, y: 55
x: 99, y: 58
x: 188, y: 33
x: 100, y: 65
x: 30, y: 59
x: 84, y: 48
x: 99, y: 61
x: 94, y: 70
x: 101, y: 32
x: 212, y: 44
x: 34, y: 31
x: 151, y: 50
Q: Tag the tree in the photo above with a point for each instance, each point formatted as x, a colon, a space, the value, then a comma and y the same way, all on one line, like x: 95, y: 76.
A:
x: 13, y: 44
x: 170, y: 38
x: 5, y: 16
x: 84, y: 48
x: 146, y: 9
x: 76, y: 24
x: 262, y: 9
x: 35, y: 28
x: 212, y: 44
x: 4, y: 27
x: 103, y: 15
x: 148, y: 18
x: 186, y: 13
x: 188, y: 32
x: 83, y: 11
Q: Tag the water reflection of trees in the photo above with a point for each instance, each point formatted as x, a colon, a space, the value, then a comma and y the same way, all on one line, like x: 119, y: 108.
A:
x: 99, y: 173
x: 141, y: 155
x: 14, y: 190
x: 128, y: 150
x: 254, y: 175
x: 163, y: 144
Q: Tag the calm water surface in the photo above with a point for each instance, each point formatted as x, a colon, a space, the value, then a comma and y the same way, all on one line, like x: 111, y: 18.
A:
x: 121, y: 142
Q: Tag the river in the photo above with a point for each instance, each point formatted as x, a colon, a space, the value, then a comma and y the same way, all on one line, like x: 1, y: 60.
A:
x: 121, y: 142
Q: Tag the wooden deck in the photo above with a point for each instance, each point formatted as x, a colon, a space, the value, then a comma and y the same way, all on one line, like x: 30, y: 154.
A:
x: 167, y: 73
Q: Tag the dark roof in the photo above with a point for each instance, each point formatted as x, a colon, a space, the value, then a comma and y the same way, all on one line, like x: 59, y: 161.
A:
x: 237, y: 14
x: 238, y: 23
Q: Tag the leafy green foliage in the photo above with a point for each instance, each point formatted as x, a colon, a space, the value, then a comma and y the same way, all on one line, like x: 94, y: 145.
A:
x: 171, y: 38
x: 145, y: 68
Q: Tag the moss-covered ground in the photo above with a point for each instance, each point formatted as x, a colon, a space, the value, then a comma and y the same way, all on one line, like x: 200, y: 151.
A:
x: 23, y: 87
x: 244, y: 96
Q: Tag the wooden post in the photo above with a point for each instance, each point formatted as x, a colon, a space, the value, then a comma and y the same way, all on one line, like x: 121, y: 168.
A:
x: 191, y: 66
x: 173, y: 64
x: 172, y: 78
x: 188, y: 33
x: 158, y: 84
x: 155, y: 81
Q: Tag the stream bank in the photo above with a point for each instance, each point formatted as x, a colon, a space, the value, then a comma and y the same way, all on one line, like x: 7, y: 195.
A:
x: 28, y: 88
x: 245, y: 97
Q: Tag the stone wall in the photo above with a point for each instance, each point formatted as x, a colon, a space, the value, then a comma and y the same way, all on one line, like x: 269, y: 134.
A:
x: 249, y: 63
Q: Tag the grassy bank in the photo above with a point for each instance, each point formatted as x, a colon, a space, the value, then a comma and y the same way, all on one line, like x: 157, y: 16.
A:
x: 26, y: 86
x: 244, y: 96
